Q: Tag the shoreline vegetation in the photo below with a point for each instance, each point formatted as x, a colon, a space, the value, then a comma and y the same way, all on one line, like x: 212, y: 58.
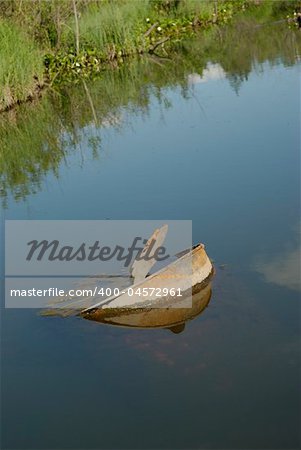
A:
x: 45, y: 43
x: 69, y: 122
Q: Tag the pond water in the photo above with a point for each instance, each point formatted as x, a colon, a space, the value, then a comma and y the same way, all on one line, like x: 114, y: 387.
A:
x: 211, y: 135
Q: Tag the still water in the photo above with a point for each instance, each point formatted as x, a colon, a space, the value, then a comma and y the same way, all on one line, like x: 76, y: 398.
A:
x: 211, y: 135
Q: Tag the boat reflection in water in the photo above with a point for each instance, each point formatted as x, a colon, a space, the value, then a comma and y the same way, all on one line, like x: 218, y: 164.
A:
x: 172, y: 314
x: 172, y: 317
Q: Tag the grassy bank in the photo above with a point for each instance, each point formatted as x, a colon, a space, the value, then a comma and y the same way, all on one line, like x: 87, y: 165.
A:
x: 50, y: 41
x: 37, y: 137
x: 21, y: 66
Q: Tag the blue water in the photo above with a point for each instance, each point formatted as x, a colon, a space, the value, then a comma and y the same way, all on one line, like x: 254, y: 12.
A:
x: 230, y: 162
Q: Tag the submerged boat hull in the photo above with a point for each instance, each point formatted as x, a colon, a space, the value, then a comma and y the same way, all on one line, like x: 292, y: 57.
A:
x: 191, y: 274
x: 169, y: 317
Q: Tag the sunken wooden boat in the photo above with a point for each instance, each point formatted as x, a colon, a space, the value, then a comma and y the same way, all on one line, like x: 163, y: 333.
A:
x: 190, y: 273
x: 172, y: 317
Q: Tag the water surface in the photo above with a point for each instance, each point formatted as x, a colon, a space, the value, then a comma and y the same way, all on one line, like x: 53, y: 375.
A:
x: 211, y: 135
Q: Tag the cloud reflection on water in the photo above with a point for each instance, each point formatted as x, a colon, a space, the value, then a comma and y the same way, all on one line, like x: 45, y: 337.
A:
x: 283, y: 269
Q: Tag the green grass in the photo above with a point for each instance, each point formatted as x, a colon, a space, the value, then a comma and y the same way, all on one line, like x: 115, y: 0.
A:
x: 39, y: 33
x: 110, y: 30
x: 117, y: 24
x: 21, y: 65
x: 194, y: 8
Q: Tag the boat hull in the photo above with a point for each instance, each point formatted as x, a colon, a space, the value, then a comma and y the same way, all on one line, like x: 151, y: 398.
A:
x: 190, y: 274
x: 168, y: 317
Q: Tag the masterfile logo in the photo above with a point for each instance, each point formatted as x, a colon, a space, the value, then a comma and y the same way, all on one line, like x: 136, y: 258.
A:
x: 55, y: 251
x: 47, y: 257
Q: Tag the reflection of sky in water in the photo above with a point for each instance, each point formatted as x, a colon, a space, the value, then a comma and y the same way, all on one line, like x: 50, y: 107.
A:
x: 211, y: 73
x: 283, y: 269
